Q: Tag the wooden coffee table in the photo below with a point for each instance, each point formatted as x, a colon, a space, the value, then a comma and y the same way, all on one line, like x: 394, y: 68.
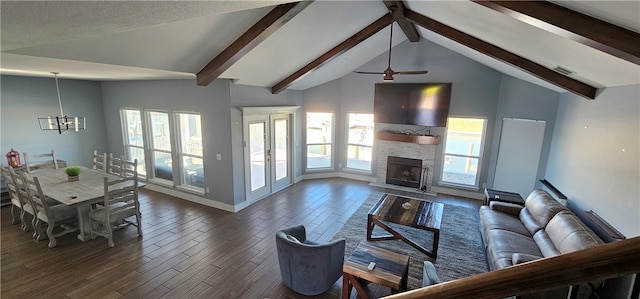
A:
x: 391, y: 270
x: 420, y: 214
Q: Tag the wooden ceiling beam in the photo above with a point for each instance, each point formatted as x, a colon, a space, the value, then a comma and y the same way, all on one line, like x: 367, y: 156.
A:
x: 409, y: 29
x: 481, y: 46
x: 589, y: 31
x: 266, y: 26
x: 349, y: 43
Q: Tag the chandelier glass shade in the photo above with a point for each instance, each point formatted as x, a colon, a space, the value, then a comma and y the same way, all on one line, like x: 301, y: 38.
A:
x: 62, y: 122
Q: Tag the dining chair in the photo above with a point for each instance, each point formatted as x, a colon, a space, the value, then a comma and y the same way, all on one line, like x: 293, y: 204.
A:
x: 27, y: 212
x: 99, y: 161
x: 115, y: 164
x: 16, y: 205
x: 120, y: 202
x: 46, y: 160
x: 129, y: 168
x: 60, y: 215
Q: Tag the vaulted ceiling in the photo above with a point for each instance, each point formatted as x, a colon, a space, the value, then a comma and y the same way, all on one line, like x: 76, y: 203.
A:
x: 285, y: 44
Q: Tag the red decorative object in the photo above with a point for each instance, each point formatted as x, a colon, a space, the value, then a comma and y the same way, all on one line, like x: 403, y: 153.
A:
x: 13, y: 158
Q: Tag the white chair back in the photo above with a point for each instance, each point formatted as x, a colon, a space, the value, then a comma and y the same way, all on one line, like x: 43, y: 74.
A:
x: 115, y: 164
x: 99, y: 161
x: 46, y: 212
x: 35, y: 161
x: 120, y: 202
x: 16, y: 204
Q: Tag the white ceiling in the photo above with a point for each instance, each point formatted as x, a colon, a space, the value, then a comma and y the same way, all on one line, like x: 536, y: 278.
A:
x: 140, y: 40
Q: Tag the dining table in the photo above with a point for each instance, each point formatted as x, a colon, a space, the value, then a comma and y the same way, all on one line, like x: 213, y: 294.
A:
x: 83, y: 193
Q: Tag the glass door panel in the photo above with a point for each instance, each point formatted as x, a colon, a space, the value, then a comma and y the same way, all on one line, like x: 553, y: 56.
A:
x: 267, y: 154
x: 281, y: 153
x: 257, y: 155
x: 281, y: 148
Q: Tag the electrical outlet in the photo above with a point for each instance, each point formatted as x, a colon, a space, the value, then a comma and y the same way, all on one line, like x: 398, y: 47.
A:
x: 206, y: 189
x: 218, y: 157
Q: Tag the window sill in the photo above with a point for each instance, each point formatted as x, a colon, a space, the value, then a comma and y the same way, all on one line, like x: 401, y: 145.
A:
x: 192, y: 190
x: 319, y: 169
x: 357, y: 171
x: 459, y: 186
x: 163, y: 183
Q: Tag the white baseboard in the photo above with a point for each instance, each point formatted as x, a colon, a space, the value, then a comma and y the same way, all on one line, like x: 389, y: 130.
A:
x: 345, y: 175
x: 192, y: 198
x: 324, y: 175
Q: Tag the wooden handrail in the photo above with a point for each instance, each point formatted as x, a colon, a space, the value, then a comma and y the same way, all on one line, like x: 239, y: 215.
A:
x: 593, y: 264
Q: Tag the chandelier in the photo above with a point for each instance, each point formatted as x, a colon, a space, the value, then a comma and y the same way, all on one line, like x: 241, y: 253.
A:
x: 62, y: 122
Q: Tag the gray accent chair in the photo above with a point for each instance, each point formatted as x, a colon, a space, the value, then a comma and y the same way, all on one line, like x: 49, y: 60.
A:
x: 429, y: 275
x: 306, y: 267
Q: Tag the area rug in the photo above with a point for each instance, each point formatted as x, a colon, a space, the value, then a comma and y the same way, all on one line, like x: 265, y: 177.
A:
x: 460, y: 252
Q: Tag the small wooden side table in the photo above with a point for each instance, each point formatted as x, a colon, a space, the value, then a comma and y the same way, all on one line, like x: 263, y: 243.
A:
x: 391, y: 270
x: 503, y: 196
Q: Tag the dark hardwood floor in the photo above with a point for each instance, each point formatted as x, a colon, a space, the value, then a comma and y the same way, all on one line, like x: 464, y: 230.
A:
x: 188, y: 250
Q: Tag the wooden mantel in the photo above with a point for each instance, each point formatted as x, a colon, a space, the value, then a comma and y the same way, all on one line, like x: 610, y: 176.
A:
x: 400, y: 137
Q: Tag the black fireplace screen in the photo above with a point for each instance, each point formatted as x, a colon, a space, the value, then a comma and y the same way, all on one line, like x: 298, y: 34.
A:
x: 404, y: 171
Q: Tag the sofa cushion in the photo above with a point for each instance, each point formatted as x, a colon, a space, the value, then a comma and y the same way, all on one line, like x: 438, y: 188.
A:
x: 541, y: 207
x: 505, y: 207
x: 569, y: 234
x: 492, y: 219
x: 545, y: 244
x: 504, y: 244
x: 519, y: 258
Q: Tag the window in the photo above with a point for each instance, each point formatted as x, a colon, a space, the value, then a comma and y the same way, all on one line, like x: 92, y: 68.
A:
x: 150, y: 137
x: 161, y: 146
x: 463, y: 151
x: 134, y: 138
x: 319, y: 140
x: 191, y: 159
x: 359, y: 141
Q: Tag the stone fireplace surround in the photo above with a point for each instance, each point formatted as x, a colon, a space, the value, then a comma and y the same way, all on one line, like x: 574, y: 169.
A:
x: 425, y: 152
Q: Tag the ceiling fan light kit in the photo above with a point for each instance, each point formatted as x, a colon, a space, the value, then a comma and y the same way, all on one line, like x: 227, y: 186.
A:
x: 62, y: 122
x: 389, y: 72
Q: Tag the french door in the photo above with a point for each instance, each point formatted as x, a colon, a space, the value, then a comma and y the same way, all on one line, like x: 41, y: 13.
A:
x: 267, y: 154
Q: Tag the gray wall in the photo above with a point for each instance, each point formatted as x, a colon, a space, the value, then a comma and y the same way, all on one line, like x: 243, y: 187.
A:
x: 594, y: 156
x: 24, y: 99
x: 475, y: 91
x: 252, y: 96
x: 212, y: 102
x: 324, y: 98
x: 521, y: 99
x: 218, y: 105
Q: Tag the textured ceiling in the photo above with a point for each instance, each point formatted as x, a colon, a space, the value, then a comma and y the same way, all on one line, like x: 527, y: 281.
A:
x: 133, y: 40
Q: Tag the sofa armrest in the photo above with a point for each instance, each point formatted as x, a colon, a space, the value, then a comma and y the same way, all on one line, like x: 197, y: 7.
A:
x: 509, y: 208
x: 519, y: 258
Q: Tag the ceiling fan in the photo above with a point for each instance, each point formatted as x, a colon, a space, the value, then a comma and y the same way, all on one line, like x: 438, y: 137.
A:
x: 388, y: 73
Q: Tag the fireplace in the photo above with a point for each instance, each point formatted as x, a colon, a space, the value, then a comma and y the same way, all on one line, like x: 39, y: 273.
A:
x: 405, y: 172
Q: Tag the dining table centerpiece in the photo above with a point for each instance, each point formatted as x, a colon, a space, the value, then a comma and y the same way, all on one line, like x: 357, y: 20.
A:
x: 73, y: 173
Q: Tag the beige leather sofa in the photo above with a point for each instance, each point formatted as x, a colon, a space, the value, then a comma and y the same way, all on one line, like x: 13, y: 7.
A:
x: 514, y: 234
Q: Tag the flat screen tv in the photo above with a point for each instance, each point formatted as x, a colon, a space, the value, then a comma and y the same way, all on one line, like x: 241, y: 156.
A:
x: 421, y: 104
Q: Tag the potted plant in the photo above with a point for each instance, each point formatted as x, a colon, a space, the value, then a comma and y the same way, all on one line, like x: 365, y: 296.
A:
x: 73, y: 173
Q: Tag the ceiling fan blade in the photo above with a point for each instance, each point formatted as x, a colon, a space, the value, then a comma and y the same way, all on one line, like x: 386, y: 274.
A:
x: 388, y: 73
x: 373, y: 73
x: 410, y: 73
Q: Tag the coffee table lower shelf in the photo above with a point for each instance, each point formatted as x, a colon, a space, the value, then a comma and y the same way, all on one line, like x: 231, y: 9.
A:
x: 391, y: 270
